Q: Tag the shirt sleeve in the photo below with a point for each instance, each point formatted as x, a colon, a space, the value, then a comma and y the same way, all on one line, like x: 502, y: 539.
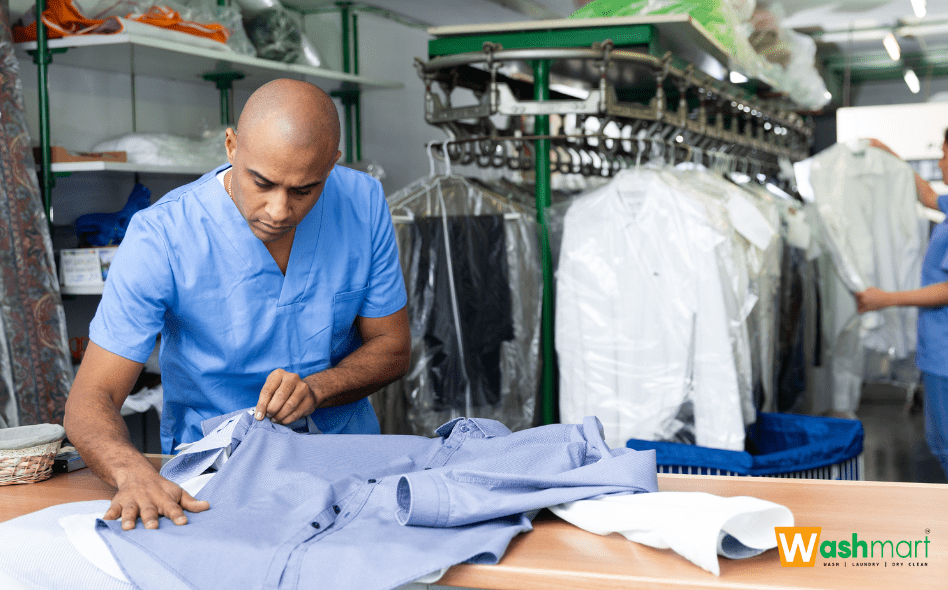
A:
x: 943, y: 205
x: 387, y: 292
x: 137, y: 293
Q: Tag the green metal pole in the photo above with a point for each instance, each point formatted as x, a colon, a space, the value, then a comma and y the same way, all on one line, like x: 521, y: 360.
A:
x: 541, y: 92
x: 225, y: 106
x: 225, y: 83
x: 357, y: 99
x: 355, y: 43
x: 43, y: 58
x: 345, y: 14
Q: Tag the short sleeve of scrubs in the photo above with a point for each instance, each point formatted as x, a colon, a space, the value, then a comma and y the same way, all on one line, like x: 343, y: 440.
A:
x: 386, y: 293
x: 943, y: 205
x: 137, y: 293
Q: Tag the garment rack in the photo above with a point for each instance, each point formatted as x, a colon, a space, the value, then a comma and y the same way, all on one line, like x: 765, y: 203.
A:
x: 612, y: 104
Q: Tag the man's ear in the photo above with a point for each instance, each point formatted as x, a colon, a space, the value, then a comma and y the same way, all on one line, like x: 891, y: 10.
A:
x: 230, y: 144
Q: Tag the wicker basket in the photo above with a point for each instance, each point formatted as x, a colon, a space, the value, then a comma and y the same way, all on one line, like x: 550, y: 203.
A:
x: 30, y: 464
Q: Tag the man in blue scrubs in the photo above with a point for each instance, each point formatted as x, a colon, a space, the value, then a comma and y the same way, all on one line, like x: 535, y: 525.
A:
x: 274, y: 282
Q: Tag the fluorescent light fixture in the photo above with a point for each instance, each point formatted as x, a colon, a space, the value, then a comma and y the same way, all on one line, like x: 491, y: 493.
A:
x: 892, y: 46
x: 918, y: 6
x: 738, y: 78
x: 912, y: 80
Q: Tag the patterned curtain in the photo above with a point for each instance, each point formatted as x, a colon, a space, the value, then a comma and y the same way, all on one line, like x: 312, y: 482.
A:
x: 35, y: 368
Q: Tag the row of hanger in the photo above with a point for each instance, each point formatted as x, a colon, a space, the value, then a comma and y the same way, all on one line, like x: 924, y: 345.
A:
x: 568, y: 156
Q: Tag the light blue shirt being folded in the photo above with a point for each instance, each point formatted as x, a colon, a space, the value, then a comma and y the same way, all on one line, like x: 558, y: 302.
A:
x: 291, y: 510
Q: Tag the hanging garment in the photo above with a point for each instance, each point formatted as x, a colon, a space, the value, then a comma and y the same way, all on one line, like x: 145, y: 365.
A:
x: 864, y: 203
x: 466, y: 256
x: 765, y: 318
x: 475, y: 294
x: 750, y: 235
x: 35, y: 366
x: 642, y: 323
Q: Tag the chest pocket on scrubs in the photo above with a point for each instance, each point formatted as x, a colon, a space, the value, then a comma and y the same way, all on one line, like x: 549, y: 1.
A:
x: 345, y: 308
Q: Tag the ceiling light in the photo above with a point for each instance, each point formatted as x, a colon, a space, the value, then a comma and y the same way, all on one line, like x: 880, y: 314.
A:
x: 738, y: 78
x: 892, y: 46
x: 912, y: 80
x: 919, y: 7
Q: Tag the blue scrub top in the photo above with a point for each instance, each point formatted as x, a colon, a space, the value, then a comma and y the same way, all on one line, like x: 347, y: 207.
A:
x: 190, y: 268
x: 931, y: 356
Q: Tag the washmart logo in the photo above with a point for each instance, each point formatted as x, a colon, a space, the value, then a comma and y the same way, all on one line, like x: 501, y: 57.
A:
x: 799, y: 547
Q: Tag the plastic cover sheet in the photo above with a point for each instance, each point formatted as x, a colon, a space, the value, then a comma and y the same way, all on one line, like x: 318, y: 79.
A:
x: 643, y: 315
x: 200, y: 11
x: 765, y: 317
x: 863, y: 205
x: 472, y: 269
x: 740, y: 259
x: 165, y: 149
x: 757, y: 46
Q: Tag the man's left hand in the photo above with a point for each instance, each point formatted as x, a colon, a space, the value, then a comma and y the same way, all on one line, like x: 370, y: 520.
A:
x: 285, y: 398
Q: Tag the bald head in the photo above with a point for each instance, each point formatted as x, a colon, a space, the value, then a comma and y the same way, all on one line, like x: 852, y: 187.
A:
x: 296, y: 112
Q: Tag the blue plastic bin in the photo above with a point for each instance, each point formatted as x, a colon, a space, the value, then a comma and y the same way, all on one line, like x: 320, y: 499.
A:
x: 778, y: 445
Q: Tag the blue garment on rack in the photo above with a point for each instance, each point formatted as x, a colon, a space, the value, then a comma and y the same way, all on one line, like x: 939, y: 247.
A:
x: 190, y: 268
x: 342, y: 511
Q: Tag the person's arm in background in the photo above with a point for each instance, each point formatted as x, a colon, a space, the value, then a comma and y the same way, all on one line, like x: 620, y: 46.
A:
x: 94, y: 425
x: 926, y: 194
x: 936, y: 295
x: 873, y: 298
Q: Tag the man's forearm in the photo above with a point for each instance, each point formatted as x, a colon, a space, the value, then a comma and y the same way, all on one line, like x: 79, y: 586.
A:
x: 373, y: 365
x: 926, y: 194
x: 931, y: 296
x: 96, y: 428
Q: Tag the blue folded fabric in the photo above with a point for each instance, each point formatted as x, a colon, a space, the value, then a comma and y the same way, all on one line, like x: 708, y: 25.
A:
x: 108, y: 229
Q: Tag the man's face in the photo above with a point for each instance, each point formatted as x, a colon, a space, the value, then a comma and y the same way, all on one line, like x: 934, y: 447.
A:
x: 273, y: 185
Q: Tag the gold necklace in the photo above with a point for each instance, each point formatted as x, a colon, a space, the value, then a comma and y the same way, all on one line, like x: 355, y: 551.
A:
x: 230, y: 185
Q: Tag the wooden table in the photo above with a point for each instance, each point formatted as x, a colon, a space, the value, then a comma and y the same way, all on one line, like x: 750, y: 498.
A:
x: 557, y: 555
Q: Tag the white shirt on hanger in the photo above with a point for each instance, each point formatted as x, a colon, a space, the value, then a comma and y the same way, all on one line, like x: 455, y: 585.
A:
x: 642, y: 328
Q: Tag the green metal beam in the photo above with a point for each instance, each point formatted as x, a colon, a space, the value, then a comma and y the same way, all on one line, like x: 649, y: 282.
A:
x: 43, y: 58
x: 541, y: 92
x: 225, y: 84
x: 636, y: 35
x: 345, y: 14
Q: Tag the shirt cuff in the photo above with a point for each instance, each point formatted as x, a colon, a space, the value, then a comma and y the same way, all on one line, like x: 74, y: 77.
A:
x: 422, y: 501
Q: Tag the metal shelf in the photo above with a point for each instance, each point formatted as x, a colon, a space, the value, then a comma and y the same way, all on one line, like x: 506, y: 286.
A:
x: 68, y: 167
x: 170, y: 56
x: 83, y: 290
x: 679, y: 33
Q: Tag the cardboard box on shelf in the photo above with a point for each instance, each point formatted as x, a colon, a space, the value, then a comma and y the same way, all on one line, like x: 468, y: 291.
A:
x: 59, y: 154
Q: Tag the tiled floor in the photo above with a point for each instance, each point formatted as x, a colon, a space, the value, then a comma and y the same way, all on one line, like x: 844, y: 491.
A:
x: 895, y: 448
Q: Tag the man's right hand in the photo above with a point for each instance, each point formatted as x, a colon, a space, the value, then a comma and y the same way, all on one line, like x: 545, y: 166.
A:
x: 148, y: 495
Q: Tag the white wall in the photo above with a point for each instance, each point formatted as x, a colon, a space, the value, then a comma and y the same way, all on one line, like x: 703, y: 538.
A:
x: 896, y: 92
x: 394, y: 131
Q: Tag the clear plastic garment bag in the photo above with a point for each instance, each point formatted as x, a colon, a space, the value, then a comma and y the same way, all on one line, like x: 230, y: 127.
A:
x: 863, y: 201
x: 651, y: 304
x: 472, y: 270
